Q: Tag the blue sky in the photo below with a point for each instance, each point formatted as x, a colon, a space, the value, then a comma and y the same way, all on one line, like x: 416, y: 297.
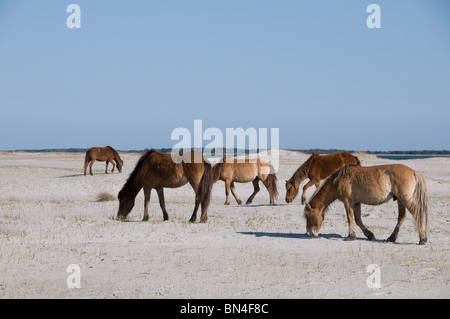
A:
x: 137, y: 70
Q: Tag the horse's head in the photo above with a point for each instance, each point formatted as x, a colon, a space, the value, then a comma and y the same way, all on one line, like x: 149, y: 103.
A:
x: 119, y: 165
x: 314, y: 219
x: 126, y: 204
x: 291, y: 191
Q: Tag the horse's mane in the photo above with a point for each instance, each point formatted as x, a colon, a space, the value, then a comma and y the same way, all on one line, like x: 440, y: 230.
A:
x: 135, y: 170
x: 333, y: 178
x: 303, y: 170
x: 115, y: 152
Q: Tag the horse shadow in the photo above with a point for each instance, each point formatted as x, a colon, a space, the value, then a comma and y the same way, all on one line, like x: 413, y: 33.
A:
x: 69, y: 176
x: 291, y: 235
x: 263, y: 205
x: 326, y: 236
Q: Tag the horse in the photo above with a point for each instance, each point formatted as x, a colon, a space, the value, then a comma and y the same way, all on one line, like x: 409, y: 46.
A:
x: 232, y: 170
x: 155, y: 170
x: 316, y: 168
x: 372, y: 185
x: 102, y: 154
x: 243, y: 171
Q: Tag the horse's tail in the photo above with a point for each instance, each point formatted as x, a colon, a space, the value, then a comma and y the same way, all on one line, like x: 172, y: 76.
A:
x: 271, y: 184
x: 87, y: 157
x: 419, y: 205
x: 204, y: 190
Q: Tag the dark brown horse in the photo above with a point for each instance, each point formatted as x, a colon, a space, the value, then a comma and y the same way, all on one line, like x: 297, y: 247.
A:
x: 156, y: 170
x: 102, y: 154
x: 316, y: 168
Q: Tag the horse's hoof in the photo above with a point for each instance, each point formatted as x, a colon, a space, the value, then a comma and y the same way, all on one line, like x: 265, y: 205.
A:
x: 422, y: 241
x: 350, y: 238
x: 226, y: 203
x: 391, y: 239
x: 239, y: 202
x: 145, y: 219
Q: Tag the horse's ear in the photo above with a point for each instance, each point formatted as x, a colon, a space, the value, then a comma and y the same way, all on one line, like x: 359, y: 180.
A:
x: 307, y: 205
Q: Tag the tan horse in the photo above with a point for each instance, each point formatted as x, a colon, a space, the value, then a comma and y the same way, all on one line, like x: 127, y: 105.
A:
x: 102, y: 154
x: 374, y: 185
x: 156, y: 170
x: 316, y: 168
x: 231, y: 170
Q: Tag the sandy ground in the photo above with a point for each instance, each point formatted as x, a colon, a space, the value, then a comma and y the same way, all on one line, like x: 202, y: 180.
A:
x: 49, y: 219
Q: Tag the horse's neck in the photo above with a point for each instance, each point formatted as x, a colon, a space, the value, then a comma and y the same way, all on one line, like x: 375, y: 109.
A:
x: 132, y: 187
x: 302, y: 172
x: 299, y: 176
x: 325, y: 195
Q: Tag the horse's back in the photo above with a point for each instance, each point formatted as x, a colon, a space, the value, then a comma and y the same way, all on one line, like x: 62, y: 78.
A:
x: 328, y: 164
x: 240, y: 170
x: 164, y: 172
x: 374, y: 185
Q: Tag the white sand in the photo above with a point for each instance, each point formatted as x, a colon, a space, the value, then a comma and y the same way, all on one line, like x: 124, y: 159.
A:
x: 49, y: 219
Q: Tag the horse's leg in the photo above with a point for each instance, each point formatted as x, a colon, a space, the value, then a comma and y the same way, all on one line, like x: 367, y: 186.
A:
x: 194, y: 214
x: 234, y: 194
x: 106, y: 168
x: 162, y: 203
x: 90, y: 166
x: 308, y: 185
x: 269, y: 189
x: 195, y: 185
x: 86, y: 163
x: 350, y: 217
x: 401, y: 218
x: 113, y: 165
x: 227, y: 191
x: 358, y: 220
x: 147, y: 193
x: 255, y: 190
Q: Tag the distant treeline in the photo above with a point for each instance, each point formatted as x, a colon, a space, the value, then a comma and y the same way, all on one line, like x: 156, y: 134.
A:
x: 240, y: 152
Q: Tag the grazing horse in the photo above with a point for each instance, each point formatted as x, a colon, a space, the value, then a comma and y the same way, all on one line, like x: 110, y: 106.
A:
x: 232, y: 170
x: 102, y: 154
x: 373, y: 185
x: 316, y: 168
x: 155, y: 170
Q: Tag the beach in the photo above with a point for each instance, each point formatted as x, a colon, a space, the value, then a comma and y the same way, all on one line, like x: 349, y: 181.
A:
x: 50, y: 219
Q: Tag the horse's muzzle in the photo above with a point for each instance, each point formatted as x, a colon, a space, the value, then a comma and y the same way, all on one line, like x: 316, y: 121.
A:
x: 311, y: 233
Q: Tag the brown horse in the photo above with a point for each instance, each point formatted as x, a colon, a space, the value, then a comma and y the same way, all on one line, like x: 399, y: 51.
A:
x: 102, y: 154
x: 156, y: 170
x: 374, y: 185
x: 316, y: 168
